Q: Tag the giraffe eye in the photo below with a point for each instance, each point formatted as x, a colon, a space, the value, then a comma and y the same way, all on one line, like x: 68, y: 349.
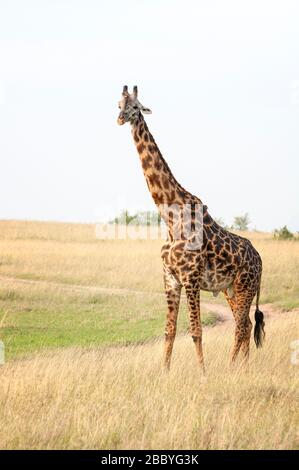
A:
x: 135, y: 107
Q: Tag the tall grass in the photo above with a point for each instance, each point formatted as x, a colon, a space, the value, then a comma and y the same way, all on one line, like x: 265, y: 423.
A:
x: 89, y: 396
x: 119, y: 398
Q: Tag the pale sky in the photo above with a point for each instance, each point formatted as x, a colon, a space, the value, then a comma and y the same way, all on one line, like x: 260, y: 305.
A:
x: 221, y: 78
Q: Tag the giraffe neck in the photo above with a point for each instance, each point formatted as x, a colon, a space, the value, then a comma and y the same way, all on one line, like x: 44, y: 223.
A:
x: 172, y: 200
x: 162, y: 185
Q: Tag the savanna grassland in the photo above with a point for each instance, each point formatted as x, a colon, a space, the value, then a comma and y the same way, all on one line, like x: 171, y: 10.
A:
x: 82, y: 322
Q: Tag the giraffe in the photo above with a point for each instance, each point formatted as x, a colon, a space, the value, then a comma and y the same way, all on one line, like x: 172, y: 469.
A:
x: 206, y: 257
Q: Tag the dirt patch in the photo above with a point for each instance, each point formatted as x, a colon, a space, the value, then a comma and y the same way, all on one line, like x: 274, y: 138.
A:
x: 222, y: 312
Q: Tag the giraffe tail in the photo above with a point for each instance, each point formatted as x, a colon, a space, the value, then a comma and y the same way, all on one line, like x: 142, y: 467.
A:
x: 259, y: 332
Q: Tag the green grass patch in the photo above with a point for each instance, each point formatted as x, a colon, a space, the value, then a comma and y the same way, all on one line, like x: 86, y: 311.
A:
x: 41, y: 317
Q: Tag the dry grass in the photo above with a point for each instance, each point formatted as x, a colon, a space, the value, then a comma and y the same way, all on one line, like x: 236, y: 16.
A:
x: 72, y: 254
x: 119, y: 397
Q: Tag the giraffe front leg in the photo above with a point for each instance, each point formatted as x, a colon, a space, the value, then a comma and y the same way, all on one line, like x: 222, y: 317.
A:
x: 173, y: 294
x: 193, y: 300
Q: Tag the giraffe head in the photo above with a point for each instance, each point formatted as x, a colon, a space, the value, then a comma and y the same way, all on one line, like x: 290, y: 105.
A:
x: 130, y: 107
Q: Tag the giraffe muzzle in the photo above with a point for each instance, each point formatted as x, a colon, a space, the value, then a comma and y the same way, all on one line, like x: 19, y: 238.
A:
x: 121, y: 119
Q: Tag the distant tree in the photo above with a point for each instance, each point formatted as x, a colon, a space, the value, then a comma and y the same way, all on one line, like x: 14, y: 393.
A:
x: 221, y: 222
x: 140, y: 218
x: 241, y: 222
x: 283, y: 234
x: 124, y: 218
x: 148, y: 218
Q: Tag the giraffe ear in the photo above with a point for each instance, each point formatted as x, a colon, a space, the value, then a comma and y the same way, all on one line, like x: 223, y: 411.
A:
x: 145, y: 110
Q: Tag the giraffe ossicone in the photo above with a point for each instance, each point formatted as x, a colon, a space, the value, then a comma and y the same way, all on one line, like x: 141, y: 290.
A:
x: 198, y: 254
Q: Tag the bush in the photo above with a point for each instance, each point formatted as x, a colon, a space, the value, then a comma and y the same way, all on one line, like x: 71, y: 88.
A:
x: 283, y: 234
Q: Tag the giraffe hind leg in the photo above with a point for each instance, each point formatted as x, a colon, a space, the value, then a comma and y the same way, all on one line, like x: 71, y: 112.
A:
x: 230, y: 299
x: 243, y: 329
x: 240, y: 306
x: 246, y: 338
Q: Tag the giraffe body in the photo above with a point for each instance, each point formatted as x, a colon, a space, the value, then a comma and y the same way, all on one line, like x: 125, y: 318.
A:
x: 206, y: 257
